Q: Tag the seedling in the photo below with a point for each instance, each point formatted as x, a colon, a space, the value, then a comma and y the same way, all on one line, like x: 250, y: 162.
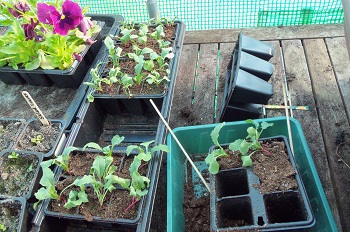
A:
x: 155, y: 77
x: 62, y: 160
x: 250, y: 143
x: 114, y: 53
x: 13, y: 155
x: 2, y: 227
x: 102, y: 180
x: 107, y: 150
x: 48, y: 190
x: 37, y: 139
x: 158, y: 33
x: 212, y: 157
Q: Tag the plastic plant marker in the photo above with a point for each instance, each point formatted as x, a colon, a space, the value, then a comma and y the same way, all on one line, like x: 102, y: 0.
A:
x: 35, y: 108
x: 181, y: 147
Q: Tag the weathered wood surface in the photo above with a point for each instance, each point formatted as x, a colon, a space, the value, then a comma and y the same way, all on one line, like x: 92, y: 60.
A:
x: 318, y: 75
x: 333, y: 120
x: 266, y: 33
x: 301, y: 92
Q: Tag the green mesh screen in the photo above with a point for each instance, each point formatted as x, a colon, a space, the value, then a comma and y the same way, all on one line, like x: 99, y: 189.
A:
x: 222, y: 14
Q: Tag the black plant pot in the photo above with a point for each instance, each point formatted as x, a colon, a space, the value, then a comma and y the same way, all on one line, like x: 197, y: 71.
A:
x: 255, y: 47
x: 56, y: 143
x: 69, y: 78
x: 235, y: 111
x: 235, y: 200
x: 16, y: 209
x: 139, y: 103
x: 9, y: 127
x: 33, y: 176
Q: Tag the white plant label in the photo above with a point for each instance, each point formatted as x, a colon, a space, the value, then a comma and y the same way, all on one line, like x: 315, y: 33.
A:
x: 35, y: 108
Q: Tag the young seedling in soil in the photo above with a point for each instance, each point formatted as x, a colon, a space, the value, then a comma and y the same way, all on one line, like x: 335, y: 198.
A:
x: 139, y: 184
x: 107, y: 150
x: 101, y: 178
x: 13, y: 155
x: 250, y: 143
x: 37, y: 139
x: 2, y: 227
x: 61, y: 161
x: 212, y: 157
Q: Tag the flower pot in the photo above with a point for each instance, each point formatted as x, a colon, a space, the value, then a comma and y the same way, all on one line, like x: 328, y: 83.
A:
x: 255, y: 47
x: 240, y: 201
x: 10, y: 128
x: 69, y: 78
x: 53, y: 137
x: 20, y: 176
x: 138, y: 102
x: 14, y: 214
x: 247, y: 88
x: 235, y: 111
x: 231, y: 131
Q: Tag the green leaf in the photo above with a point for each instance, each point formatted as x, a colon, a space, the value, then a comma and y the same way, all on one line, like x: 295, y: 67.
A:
x: 130, y: 148
x: 214, y: 167
x: 93, y: 145
x: 109, y: 43
x: 100, y: 165
x: 112, y: 179
x: 210, y: 158
x: 236, y: 145
x: 265, y: 125
x: 33, y: 64
x: 256, y: 124
x: 138, y: 68
x: 145, y: 156
x: 116, y: 140
x: 148, y: 65
x: 90, y: 97
x: 244, y: 148
x: 134, y: 166
x: 215, y: 133
x: 147, y: 50
x: 160, y: 147
x: 247, y: 161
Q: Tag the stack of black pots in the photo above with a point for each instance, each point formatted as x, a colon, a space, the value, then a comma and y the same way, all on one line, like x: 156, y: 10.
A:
x: 247, y: 87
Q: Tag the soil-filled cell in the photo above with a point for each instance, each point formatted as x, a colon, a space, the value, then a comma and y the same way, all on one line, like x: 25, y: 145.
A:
x: 231, y: 183
x: 234, y: 212
x: 285, y: 207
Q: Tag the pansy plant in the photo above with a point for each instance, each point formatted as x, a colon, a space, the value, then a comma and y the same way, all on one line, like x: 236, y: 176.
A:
x: 44, y: 35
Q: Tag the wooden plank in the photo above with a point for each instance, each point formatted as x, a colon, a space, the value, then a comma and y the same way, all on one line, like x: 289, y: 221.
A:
x: 277, y: 81
x: 338, y: 53
x: 203, y: 106
x: 226, y: 50
x: 300, y: 89
x: 265, y: 33
x: 181, y: 112
x: 334, y: 123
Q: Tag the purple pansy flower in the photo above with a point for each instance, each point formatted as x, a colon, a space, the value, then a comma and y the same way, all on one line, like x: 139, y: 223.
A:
x: 19, y: 7
x: 85, y: 25
x: 29, y: 30
x: 69, y: 19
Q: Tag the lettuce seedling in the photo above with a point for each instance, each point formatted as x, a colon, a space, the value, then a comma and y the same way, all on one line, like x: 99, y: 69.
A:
x: 158, y: 33
x: 156, y: 78
x: 13, y: 155
x: 37, y: 139
x: 107, y: 150
x: 251, y: 142
x: 212, y: 157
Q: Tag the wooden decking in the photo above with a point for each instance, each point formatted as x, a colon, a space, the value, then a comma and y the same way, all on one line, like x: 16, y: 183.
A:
x: 318, y: 74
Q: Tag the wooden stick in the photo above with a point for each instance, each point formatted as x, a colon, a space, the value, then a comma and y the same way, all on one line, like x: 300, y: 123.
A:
x: 35, y: 108
x: 182, y: 148
x: 288, y: 122
x: 289, y: 107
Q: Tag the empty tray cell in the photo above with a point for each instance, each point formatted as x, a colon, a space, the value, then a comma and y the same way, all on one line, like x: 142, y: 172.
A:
x: 234, y: 212
x: 238, y: 183
x: 285, y: 207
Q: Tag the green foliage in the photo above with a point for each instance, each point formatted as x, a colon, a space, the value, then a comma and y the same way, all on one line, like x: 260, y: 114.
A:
x: 48, y: 190
x: 3, y: 227
x: 212, y: 157
x: 46, y: 49
x: 107, y: 150
x: 251, y: 142
x: 37, y: 139
x: 13, y: 155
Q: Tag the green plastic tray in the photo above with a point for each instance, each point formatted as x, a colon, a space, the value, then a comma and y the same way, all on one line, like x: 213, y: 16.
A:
x: 196, y: 140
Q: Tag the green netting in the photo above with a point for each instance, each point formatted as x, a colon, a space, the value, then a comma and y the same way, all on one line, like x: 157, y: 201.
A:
x: 222, y: 14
